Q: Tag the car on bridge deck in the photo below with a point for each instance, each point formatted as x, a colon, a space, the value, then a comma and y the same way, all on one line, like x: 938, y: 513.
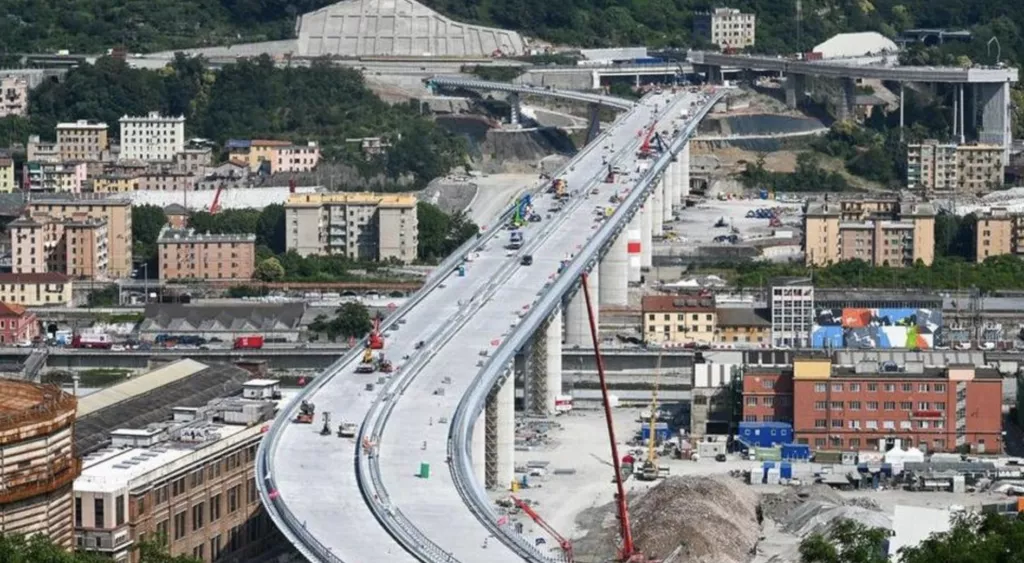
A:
x: 527, y: 260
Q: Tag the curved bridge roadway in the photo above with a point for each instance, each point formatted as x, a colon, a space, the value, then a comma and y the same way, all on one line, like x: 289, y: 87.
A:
x: 339, y: 502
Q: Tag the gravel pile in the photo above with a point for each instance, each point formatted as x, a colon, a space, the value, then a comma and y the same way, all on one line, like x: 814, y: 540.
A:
x: 806, y: 510
x: 714, y: 519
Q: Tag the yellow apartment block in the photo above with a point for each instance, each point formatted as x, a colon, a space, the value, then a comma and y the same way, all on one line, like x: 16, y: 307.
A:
x: 365, y: 226
x: 882, y: 231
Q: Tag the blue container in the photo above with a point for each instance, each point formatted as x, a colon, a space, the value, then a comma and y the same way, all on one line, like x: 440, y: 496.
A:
x: 786, y: 470
x: 768, y: 465
x: 765, y: 434
x: 796, y: 451
x: 660, y: 430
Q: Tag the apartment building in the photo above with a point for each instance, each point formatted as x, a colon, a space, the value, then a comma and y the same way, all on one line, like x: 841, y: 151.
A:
x: 364, y: 226
x: 114, y: 210
x: 188, y: 482
x: 6, y: 175
x: 726, y: 27
x: 743, y: 326
x: 38, y: 150
x: 115, y: 183
x: 76, y: 246
x: 865, y: 406
x: 47, y: 289
x: 152, y: 137
x: 935, y: 168
x: 167, y: 181
x: 13, y: 96
x: 82, y: 140
x: 883, y: 232
x: 791, y: 306
x: 679, y: 319
x: 194, y: 160
x: 768, y: 394
x: 65, y: 177
x: 274, y: 157
x: 185, y: 254
x: 17, y: 324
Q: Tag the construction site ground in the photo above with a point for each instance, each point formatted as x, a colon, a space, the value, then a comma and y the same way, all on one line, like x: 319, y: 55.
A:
x: 579, y: 505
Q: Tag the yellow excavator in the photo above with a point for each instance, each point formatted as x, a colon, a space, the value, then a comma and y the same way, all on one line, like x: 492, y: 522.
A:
x: 650, y: 471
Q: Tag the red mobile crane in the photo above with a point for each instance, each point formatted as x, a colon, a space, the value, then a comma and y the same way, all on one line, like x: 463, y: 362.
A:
x: 215, y: 206
x: 563, y: 543
x: 628, y: 552
x: 376, y: 340
x: 645, y: 147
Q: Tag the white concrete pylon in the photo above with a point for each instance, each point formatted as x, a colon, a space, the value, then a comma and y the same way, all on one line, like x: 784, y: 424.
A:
x: 684, y: 172
x: 657, y: 208
x: 553, y: 361
x: 615, y: 273
x: 667, y: 196
x: 478, y: 450
x: 646, y: 231
x: 506, y: 405
x: 577, y: 322
x: 633, y: 247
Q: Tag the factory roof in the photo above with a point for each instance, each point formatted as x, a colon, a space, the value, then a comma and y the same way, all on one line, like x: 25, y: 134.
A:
x: 246, y: 317
x: 136, y: 386
x: 153, y: 400
x: 849, y: 45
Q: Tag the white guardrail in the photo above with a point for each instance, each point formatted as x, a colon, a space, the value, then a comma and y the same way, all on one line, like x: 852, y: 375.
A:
x: 276, y: 507
x: 474, y: 401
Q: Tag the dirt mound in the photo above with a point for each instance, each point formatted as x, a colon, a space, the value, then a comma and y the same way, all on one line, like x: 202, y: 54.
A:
x: 712, y: 519
x: 805, y: 510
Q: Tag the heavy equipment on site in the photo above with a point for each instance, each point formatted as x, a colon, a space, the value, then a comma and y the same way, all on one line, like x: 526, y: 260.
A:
x: 563, y: 543
x: 347, y: 430
x: 368, y: 364
x: 306, y: 412
x: 376, y: 339
x: 651, y: 470
x: 628, y: 552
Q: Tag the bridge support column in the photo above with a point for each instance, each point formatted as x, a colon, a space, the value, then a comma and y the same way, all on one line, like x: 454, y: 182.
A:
x: 515, y: 109
x: 634, y: 247
x: 847, y: 99
x: 658, y: 208
x: 796, y: 85
x: 646, y: 231
x: 683, y: 182
x: 544, y: 367
x: 499, y: 435
x: 994, y: 100
x: 615, y: 273
x: 577, y: 323
x: 667, y: 195
x: 478, y: 449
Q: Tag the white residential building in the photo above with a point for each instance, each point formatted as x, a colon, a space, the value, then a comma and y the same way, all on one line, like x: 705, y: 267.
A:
x: 152, y: 138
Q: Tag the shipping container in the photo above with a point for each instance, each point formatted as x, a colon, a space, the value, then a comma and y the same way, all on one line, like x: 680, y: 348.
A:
x: 661, y: 431
x: 254, y: 342
x: 828, y: 456
x: 796, y: 451
x: 786, y: 470
x: 765, y: 434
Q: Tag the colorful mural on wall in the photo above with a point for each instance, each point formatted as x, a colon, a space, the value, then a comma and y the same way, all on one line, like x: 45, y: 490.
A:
x: 913, y: 329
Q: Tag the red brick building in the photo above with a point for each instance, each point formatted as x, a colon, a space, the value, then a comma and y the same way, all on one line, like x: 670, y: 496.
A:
x: 17, y: 324
x: 767, y: 394
x: 936, y: 409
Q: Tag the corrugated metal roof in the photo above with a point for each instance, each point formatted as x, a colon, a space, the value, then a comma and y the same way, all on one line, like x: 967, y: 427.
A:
x: 138, y: 385
x: 860, y: 44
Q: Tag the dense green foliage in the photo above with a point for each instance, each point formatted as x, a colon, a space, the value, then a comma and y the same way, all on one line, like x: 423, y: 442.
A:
x: 440, y: 234
x: 809, y: 176
x: 352, y: 320
x: 997, y: 273
x: 323, y: 103
x: 40, y: 549
x: 93, y: 26
x: 974, y: 538
x: 147, y: 220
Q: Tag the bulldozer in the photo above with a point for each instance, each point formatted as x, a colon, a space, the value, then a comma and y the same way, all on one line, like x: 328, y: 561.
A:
x: 306, y: 412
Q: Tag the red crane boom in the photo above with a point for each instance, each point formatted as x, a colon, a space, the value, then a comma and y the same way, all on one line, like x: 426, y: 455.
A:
x: 563, y: 543
x: 627, y: 552
x: 645, y: 147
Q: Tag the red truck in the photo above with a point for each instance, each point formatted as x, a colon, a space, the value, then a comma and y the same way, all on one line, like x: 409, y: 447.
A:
x: 254, y: 342
x: 94, y: 341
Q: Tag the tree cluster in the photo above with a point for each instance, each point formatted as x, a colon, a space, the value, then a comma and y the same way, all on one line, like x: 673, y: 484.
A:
x: 352, y: 320
x: 973, y: 538
x: 440, y: 234
x: 41, y: 549
x: 250, y: 99
x: 809, y: 176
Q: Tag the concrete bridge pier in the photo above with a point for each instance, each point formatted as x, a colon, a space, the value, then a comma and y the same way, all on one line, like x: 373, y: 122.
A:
x: 847, y: 99
x: 796, y: 87
x: 992, y: 101
x: 667, y: 196
x: 500, y: 434
x: 658, y: 208
x: 646, y: 228
x: 577, y: 323
x: 683, y: 183
x: 634, y: 247
x: 515, y: 108
x: 478, y: 449
x: 543, y: 381
x: 615, y: 273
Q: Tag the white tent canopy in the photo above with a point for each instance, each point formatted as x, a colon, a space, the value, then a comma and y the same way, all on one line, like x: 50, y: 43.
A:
x: 846, y: 45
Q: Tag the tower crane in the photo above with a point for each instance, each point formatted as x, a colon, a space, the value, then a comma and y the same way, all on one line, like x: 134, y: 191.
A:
x: 563, y: 543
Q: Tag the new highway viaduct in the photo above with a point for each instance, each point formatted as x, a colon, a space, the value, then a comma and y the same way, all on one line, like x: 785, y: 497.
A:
x: 448, y: 405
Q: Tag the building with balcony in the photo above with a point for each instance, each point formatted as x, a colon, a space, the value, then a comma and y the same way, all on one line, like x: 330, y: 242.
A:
x: 82, y: 140
x: 364, y: 226
x: 76, y: 246
x: 188, y: 481
x: 114, y: 210
x: 37, y: 460
x: 152, y: 137
x: 726, y: 27
x: 185, y: 254
x: 65, y: 177
x: 274, y: 157
x: 944, y: 169
x: 13, y: 96
x: 679, y: 319
x: 957, y: 408
x: 6, y: 175
x: 116, y: 183
x: 880, y: 231
x: 38, y: 150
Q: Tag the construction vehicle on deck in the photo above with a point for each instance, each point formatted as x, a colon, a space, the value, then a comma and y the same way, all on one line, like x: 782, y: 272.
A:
x: 376, y: 339
x: 384, y: 364
x: 563, y: 543
x: 347, y: 430
x: 560, y: 188
x: 306, y: 412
